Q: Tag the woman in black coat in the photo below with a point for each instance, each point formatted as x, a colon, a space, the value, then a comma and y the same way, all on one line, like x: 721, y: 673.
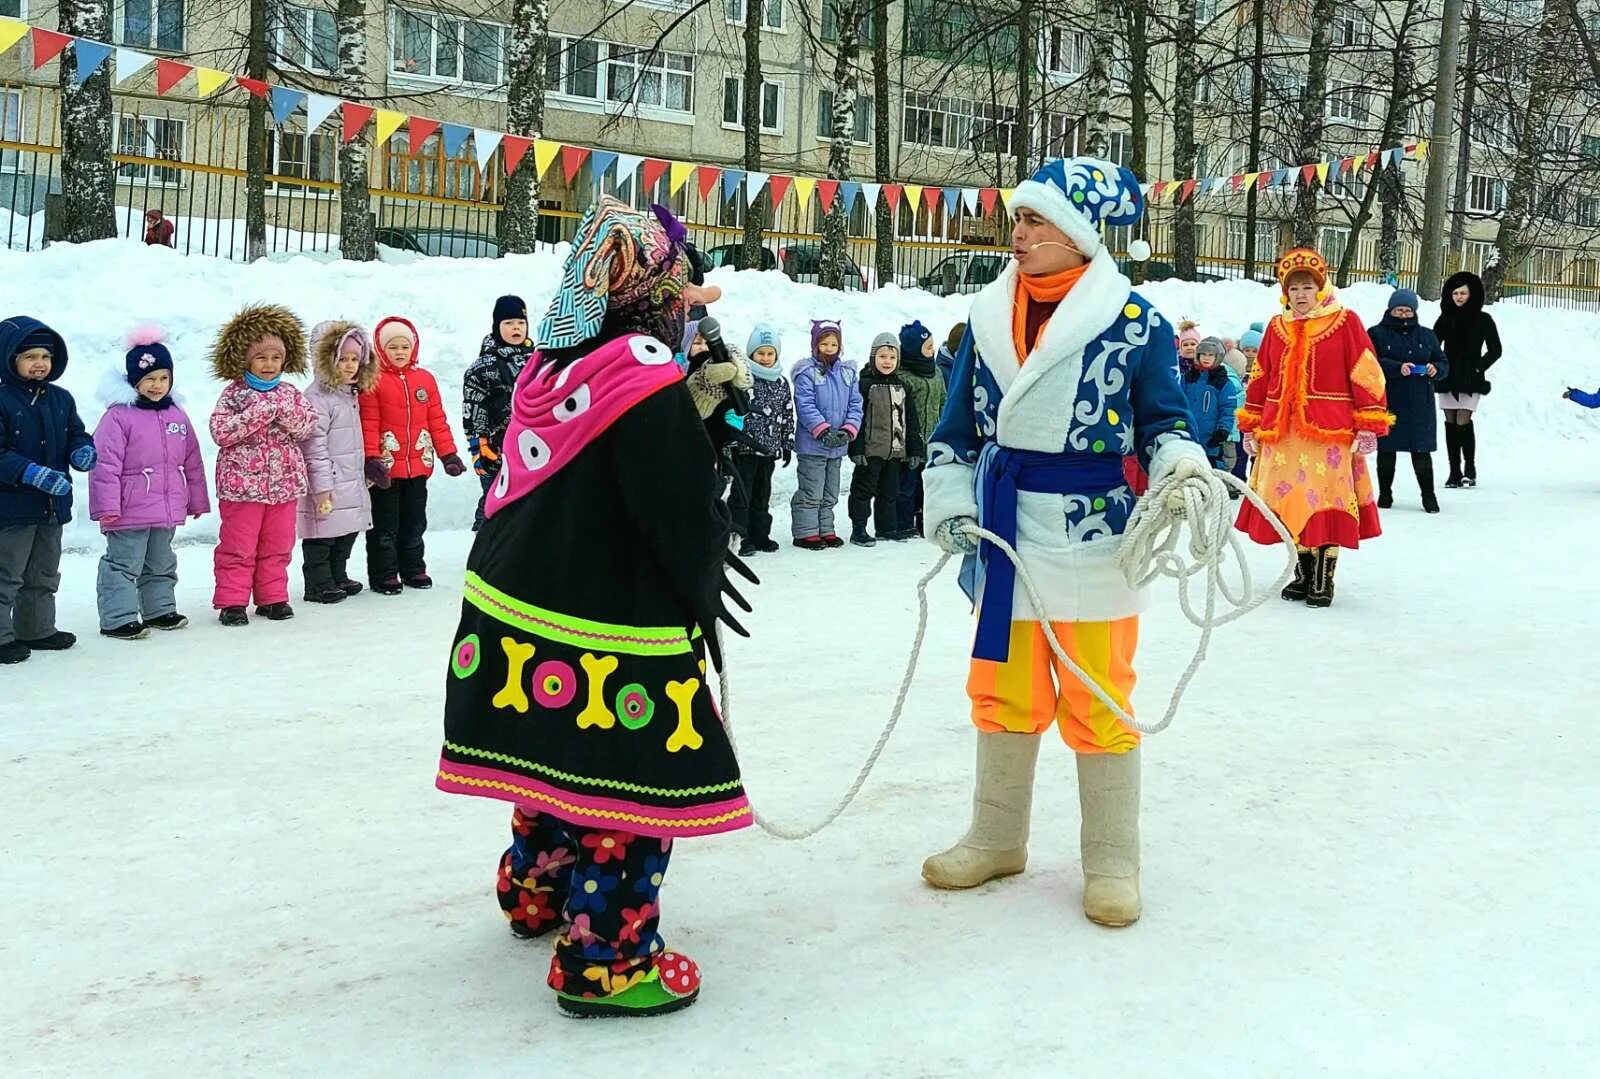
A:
x: 1472, y: 344
x: 1413, y: 363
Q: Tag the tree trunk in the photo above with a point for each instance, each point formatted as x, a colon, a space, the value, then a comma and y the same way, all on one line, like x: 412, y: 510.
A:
x: 883, y: 166
x: 1184, y: 255
x: 355, y: 188
x: 1469, y: 101
x: 1313, y: 109
x: 88, y: 176
x: 755, y: 215
x: 1391, y: 198
x: 835, y: 226
x: 1252, y: 198
x: 255, y: 179
x: 1097, y: 126
x: 1138, y: 106
x: 530, y: 29
x: 1385, y: 182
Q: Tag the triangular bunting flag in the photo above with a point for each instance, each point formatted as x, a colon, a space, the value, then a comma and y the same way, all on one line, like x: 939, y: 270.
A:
x: 1307, y: 172
x: 627, y: 165
x: 913, y: 196
x: 47, y: 45
x: 1421, y: 149
x: 780, y: 187
x: 892, y: 193
x: 1396, y: 156
x: 654, y: 169
x: 600, y: 162
x: 1250, y: 179
x: 987, y: 198
x: 849, y: 190
x: 419, y: 129
x: 454, y: 137
x: 871, y: 191
x: 1264, y: 179
x: 318, y: 108
x: 355, y: 118
x: 803, y: 186
x: 969, y: 199
x: 545, y: 153
x: 1005, y: 197
x: 754, y: 184
x: 208, y: 80
x: 1237, y: 182
x: 89, y: 55
x: 254, y: 87
x: 170, y: 73
x: 1185, y: 191
x: 1322, y: 173
x: 678, y: 173
x: 731, y: 179
x: 387, y: 123
x: 11, y: 32
x: 484, y: 144
x: 284, y: 101
x: 516, y: 148
x: 930, y: 195
x: 1372, y: 160
x: 1284, y: 177
x: 1158, y: 189
x: 827, y: 191
x: 952, y: 201
x: 706, y: 179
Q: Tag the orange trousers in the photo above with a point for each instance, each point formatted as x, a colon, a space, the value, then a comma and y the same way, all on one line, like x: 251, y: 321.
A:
x: 1031, y: 689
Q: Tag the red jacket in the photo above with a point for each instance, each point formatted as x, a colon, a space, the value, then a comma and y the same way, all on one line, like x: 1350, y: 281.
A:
x: 402, y: 417
x: 1318, y: 377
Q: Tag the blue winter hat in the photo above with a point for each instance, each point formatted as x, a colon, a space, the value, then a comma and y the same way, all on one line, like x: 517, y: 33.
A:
x: 912, y: 338
x: 1081, y: 196
x: 507, y: 308
x: 146, y: 354
x: 764, y: 337
x: 1403, y: 297
x: 1252, y: 337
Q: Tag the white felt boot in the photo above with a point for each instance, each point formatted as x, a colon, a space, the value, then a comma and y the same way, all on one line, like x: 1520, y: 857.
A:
x: 996, y: 845
x: 1108, y: 793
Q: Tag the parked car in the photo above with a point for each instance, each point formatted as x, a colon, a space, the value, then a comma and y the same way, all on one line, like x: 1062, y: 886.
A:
x: 963, y: 273
x: 1164, y: 271
x: 440, y: 243
x: 799, y: 262
x: 733, y: 255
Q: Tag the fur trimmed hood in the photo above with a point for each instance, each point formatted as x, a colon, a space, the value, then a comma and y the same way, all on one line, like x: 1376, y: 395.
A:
x: 249, y: 326
x: 326, y: 340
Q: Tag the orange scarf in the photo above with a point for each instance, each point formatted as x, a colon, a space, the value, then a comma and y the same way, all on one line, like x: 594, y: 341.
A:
x: 1034, y: 290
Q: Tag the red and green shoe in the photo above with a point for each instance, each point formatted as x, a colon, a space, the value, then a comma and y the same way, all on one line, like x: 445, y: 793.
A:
x: 672, y: 984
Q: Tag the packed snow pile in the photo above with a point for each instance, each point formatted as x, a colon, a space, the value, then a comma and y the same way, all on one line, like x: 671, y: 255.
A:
x: 93, y: 294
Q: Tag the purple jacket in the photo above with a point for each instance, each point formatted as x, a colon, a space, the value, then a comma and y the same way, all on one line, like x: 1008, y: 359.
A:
x: 149, y: 474
x: 824, y: 397
x: 334, y: 455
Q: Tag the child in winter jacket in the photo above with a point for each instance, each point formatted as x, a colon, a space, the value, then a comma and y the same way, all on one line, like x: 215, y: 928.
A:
x: 920, y: 373
x: 404, y: 430
x: 1188, y: 344
x: 1213, y: 399
x: 946, y: 359
x: 770, y: 425
x: 337, y: 507
x: 487, y: 386
x: 1582, y: 397
x: 41, y: 437
x: 258, y: 424
x: 827, y: 406
x: 890, y: 441
x: 148, y: 481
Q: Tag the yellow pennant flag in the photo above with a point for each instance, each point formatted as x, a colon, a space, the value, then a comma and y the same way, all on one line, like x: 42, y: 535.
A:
x: 1322, y: 173
x: 545, y: 153
x: 914, y: 197
x: 11, y: 32
x: 803, y: 187
x: 679, y: 173
x: 208, y: 80
x: 1250, y: 179
x: 1422, y: 149
x: 387, y: 123
x: 1005, y: 196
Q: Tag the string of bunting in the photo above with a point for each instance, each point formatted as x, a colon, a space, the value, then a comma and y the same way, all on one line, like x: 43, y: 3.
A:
x: 725, y: 183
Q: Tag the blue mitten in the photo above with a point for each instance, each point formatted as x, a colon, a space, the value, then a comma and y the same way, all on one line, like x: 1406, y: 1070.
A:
x: 83, y: 458
x: 48, y: 480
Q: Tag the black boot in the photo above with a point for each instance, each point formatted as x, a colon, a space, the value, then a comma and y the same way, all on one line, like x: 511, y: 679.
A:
x: 861, y: 537
x: 1385, y: 480
x: 1325, y: 561
x: 1297, y: 590
x: 1452, y: 445
x: 1422, y: 464
x: 1469, y: 455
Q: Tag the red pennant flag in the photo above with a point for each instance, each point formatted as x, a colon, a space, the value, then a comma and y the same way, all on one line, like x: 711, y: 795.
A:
x: 355, y: 118
x: 1186, y: 190
x: 779, y: 188
x: 1372, y: 159
x: 827, y: 191
x: 1158, y: 189
x: 1411, y: 149
x: 931, y: 196
x: 253, y: 86
x: 47, y: 45
x: 987, y: 197
x: 169, y: 73
x: 572, y: 159
x: 706, y: 178
x: 654, y: 169
x: 1264, y: 179
x: 892, y: 192
x: 1307, y: 174
x: 513, y: 148
x: 1238, y: 182
x: 418, y: 128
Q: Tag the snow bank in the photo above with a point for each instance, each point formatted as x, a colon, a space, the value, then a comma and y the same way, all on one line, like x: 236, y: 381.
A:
x: 94, y: 293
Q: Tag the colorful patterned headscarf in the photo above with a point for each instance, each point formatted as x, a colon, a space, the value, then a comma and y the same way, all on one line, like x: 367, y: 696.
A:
x: 623, y: 264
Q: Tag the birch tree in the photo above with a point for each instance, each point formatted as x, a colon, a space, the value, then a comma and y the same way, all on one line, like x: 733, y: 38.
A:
x: 836, y: 225
x: 1097, y: 135
x: 756, y: 213
x: 1184, y: 80
x: 356, y: 240
x: 1313, y: 110
x: 88, y: 176
x: 530, y: 32
x: 882, y: 164
x: 255, y: 177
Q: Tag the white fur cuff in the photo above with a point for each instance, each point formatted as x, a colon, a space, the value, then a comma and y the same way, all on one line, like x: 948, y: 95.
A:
x: 947, y: 493
x: 1167, y: 457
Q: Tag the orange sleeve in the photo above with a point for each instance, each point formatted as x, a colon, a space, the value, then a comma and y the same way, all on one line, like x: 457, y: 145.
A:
x: 1368, y: 393
x: 438, y: 423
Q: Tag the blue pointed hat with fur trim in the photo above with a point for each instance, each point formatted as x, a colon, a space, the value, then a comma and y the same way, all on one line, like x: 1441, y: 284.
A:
x: 1081, y: 196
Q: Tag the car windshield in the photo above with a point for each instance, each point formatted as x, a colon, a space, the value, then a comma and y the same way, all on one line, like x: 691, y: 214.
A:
x: 457, y: 245
x: 984, y: 269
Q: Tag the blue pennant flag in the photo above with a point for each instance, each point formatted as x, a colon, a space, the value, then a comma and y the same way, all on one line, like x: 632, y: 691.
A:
x: 284, y: 103
x: 90, y: 55
x: 952, y: 198
x: 732, y: 180
x: 600, y: 162
x: 454, y: 136
x: 849, y: 190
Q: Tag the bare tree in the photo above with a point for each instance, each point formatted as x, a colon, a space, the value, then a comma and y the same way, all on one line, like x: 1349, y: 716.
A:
x: 1469, y: 100
x: 530, y: 31
x: 1252, y: 199
x: 882, y: 163
x: 88, y: 177
x: 1184, y: 150
x: 1027, y: 62
x: 1313, y: 109
x: 356, y: 239
x: 1097, y: 139
x: 255, y: 179
x: 750, y: 114
x: 835, y: 226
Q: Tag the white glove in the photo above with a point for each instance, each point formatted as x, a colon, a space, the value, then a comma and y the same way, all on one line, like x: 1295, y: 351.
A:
x: 1251, y: 445
x: 1366, y: 443
x: 953, y: 538
x: 1183, y: 470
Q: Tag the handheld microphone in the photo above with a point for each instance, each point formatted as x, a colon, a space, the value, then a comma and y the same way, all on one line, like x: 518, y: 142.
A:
x: 711, y: 330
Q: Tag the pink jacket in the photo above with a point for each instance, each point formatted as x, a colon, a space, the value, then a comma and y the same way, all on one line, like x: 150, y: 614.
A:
x: 258, y: 435
x: 149, y: 474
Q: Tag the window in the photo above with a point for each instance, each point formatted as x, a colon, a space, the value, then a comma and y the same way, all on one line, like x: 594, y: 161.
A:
x: 1352, y: 27
x: 1122, y: 148
x: 771, y: 13
x: 1561, y: 139
x: 444, y: 48
x: 967, y: 33
x: 1487, y: 194
x: 1205, y: 12
x: 149, y: 24
x: 952, y: 123
x: 1553, y: 203
x: 1588, y: 211
x: 10, y: 125
x: 863, y: 117
x: 304, y: 38
x: 1335, y: 241
x: 305, y: 157
x: 1493, y: 127
x: 1348, y: 101
x: 1069, y: 52
x: 1342, y: 186
x: 1476, y: 255
x: 664, y: 80
x: 430, y: 172
x: 830, y: 20
x: 149, y: 137
x: 11, y: 8
x: 572, y: 68
x: 1266, y: 239
x: 1591, y: 147
x: 733, y: 105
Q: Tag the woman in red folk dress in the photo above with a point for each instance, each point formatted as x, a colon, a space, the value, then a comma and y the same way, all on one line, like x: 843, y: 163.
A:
x: 1313, y: 412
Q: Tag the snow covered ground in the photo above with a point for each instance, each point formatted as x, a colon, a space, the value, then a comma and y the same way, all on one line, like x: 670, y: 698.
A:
x: 1369, y: 839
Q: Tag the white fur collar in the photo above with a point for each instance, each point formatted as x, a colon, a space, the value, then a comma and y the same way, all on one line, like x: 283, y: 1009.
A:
x: 114, y: 390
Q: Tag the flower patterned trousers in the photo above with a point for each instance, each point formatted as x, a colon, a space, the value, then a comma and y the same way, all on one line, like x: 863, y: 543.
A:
x: 599, y: 889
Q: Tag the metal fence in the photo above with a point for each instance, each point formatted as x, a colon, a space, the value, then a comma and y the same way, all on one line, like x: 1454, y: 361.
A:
x: 188, y: 160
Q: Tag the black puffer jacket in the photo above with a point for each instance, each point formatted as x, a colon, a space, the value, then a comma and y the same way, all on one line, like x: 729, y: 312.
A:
x: 1469, y: 337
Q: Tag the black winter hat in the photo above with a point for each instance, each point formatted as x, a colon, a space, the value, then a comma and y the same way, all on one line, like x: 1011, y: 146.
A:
x: 146, y: 354
x: 40, y: 338
x: 509, y: 307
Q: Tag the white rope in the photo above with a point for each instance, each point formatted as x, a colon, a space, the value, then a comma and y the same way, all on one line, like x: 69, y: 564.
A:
x: 1149, y: 550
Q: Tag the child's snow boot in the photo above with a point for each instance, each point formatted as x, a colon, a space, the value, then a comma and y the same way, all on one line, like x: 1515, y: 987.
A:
x: 419, y: 581
x: 1323, y: 566
x: 672, y: 984
x: 1296, y: 590
x: 14, y: 652
x: 388, y: 586
x: 168, y: 622
x: 996, y: 843
x: 861, y: 537
x: 832, y: 542
x: 275, y: 612
x: 59, y: 641
x: 234, y: 616
x: 132, y: 631
x: 349, y: 587
x: 331, y: 594
x: 810, y: 543
x: 768, y: 546
x: 1108, y: 797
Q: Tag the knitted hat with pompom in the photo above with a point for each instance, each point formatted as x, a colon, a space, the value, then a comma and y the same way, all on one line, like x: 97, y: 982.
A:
x: 146, y: 353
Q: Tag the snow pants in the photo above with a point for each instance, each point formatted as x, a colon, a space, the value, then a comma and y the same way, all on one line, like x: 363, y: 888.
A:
x: 908, y: 508
x: 816, y: 493
x: 325, y: 563
x: 399, y: 520
x: 598, y: 887
x: 138, y: 577
x: 751, y: 497
x: 30, y: 574
x: 875, y: 493
x: 254, y: 546
x: 1031, y: 690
